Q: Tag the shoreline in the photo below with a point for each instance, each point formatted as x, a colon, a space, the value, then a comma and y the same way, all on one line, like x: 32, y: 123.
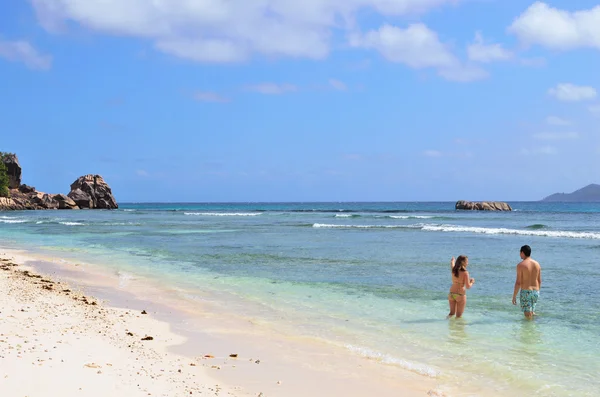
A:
x: 58, y: 340
x: 268, y: 362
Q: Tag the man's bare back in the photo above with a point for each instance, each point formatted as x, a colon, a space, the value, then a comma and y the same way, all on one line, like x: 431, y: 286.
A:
x: 530, y: 272
x: 528, y: 282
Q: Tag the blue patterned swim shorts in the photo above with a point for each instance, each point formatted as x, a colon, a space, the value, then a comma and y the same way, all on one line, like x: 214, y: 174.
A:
x: 529, y: 298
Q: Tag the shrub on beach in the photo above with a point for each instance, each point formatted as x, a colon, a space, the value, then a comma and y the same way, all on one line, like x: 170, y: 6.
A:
x: 3, y: 177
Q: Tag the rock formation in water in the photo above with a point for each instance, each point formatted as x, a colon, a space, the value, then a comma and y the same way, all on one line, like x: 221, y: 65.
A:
x: 91, y: 191
x: 483, y: 205
x: 88, y: 191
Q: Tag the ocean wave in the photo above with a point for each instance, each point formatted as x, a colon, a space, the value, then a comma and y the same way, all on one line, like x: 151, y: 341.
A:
x: 470, y: 229
x: 525, y: 232
x: 223, y: 213
x: 341, y: 210
x: 67, y: 223
x: 119, y: 224
x: 536, y: 226
x: 13, y: 220
x: 326, y: 225
x: 420, y: 369
x: 385, y: 216
x: 411, y: 216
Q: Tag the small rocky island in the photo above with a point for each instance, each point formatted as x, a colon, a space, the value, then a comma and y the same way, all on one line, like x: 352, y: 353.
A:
x: 87, y: 192
x: 483, y: 205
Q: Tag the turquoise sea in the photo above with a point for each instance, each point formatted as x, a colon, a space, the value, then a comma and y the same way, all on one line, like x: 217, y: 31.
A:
x: 370, y: 277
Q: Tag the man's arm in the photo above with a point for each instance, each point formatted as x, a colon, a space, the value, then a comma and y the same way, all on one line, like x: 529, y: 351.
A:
x: 517, y: 286
x: 539, y: 277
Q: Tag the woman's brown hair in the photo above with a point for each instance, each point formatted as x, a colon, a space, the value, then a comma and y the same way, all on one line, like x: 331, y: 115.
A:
x: 459, y: 265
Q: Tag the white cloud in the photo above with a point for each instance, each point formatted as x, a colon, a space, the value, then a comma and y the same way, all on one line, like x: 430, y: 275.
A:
x: 432, y: 153
x: 545, y: 150
x: 225, y: 31
x: 553, y: 120
x: 23, y: 51
x: 463, y: 73
x: 556, y: 136
x: 217, y: 51
x: 417, y: 47
x: 271, y: 88
x: 478, y: 51
x: 558, y: 29
x: 572, y: 93
x: 533, y: 62
x: 205, y: 96
x: 338, y: 85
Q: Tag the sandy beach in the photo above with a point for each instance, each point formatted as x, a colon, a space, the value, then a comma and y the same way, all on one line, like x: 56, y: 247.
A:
x: 58, y: 338
x: 54, y: 340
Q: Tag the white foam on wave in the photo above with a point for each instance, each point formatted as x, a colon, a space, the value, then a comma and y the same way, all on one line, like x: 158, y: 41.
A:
x: 485, y: 230
x: 420, y: 369
x: 343, y: 216
x: 325, y: 225
x: 12, y: 220
x: 411, y: 216
x: 128, y: 210
x: 223, y: 213
x: 471, y: 229
x: 72, y: 223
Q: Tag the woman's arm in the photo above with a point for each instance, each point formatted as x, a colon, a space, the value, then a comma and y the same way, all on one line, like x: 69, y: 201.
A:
x: 452, y: 263
x: 468, y: 281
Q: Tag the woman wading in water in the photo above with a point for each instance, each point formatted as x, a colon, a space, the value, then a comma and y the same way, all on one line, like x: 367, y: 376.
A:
x: 460, y: 284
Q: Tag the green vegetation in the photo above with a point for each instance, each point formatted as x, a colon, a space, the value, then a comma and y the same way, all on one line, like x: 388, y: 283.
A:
x: 3, y: 176
x: 3, y: 180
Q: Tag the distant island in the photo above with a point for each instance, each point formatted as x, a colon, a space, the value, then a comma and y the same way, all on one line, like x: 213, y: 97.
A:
x: 588, y: 194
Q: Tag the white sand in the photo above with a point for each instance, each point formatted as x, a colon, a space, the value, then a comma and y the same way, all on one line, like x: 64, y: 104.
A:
x: 53, y: 343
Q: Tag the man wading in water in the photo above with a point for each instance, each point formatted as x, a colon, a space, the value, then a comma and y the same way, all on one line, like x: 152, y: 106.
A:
x: 529, y: 281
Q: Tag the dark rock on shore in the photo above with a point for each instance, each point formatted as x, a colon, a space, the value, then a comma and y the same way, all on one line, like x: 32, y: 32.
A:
x: 65, y: 202
x: 43, y: 200
x: 483, y: 205
x: 88, y: 191
x: 81, y: 199
x: 7, y: 203
x: 91, y: 191
x: 26, y: 189
x: 13, y: 170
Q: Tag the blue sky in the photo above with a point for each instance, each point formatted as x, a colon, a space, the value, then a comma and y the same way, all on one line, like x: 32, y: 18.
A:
x: 319, y: 100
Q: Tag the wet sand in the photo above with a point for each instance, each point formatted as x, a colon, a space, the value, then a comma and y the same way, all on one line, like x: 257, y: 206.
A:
x: 74, y: 329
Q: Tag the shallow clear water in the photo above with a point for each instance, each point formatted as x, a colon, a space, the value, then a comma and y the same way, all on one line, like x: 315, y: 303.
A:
x: 371, y: 277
